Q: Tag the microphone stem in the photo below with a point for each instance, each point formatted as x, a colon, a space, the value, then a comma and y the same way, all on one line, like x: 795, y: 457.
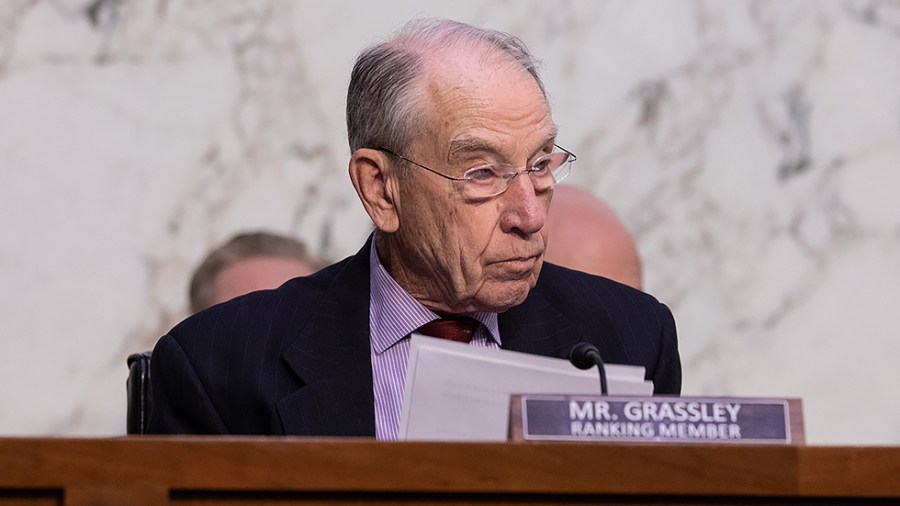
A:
x: 602, y: 370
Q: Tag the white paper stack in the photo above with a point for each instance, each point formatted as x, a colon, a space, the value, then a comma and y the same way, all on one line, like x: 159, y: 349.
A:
x: 459, y: 392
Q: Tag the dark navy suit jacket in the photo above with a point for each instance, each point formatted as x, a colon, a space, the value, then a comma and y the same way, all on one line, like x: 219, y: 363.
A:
x: 296, y: 360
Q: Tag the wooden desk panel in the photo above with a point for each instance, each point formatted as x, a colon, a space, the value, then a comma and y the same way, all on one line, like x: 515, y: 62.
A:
x: 263, y: 470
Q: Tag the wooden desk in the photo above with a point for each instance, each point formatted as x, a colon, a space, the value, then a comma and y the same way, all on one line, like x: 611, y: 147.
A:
x: 231, y: 471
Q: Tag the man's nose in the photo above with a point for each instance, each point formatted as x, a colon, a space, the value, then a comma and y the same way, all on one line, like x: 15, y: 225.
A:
x: 524, y: 210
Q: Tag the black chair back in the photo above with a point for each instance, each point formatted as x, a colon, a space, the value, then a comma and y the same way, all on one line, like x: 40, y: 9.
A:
x: 140, y: 400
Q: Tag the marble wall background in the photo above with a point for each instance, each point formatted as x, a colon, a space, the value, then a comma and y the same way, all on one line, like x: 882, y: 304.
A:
x: 752, y: 146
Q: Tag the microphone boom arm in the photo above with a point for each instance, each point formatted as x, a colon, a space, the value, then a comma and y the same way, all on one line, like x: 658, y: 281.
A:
x: 584, y: 356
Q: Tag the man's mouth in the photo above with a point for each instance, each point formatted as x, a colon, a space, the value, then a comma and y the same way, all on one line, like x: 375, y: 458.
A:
x: 519, y: 265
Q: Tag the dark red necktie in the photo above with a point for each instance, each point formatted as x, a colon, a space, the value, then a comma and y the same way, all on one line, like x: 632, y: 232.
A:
x: 460, y: 328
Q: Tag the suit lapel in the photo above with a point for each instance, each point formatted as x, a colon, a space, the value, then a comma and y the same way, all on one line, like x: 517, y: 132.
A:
x: 331, y: 356
x: 537, y: 326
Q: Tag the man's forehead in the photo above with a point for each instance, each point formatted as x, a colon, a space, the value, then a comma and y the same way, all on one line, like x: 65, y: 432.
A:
x: 483, y: 101
x: 462, y: 146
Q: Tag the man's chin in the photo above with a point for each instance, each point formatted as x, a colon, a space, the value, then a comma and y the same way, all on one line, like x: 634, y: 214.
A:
x: 500, y: 297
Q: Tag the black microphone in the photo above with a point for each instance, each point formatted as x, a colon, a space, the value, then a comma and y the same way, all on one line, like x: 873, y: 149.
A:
x: 586, y: 355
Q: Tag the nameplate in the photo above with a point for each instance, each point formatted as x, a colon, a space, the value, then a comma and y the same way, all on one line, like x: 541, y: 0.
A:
x: 656, y: 419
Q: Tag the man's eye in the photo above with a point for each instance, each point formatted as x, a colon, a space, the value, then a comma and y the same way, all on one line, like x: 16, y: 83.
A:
x: 541, y: 165
x: 481, y: 175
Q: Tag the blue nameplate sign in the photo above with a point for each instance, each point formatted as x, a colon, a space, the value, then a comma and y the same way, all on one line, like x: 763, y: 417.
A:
x: 656, y: 419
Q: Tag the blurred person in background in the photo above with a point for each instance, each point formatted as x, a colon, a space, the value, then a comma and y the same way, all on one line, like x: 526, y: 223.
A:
x: 585, y: 234
x: 246, y: 263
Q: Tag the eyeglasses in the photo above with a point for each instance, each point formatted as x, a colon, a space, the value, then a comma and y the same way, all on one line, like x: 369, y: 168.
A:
x: 490, y: 180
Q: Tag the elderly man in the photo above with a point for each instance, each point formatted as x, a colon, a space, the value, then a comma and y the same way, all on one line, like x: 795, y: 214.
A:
x: 454, y: 159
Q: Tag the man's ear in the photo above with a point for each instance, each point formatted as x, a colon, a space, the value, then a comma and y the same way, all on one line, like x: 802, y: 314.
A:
x: 369, y: 171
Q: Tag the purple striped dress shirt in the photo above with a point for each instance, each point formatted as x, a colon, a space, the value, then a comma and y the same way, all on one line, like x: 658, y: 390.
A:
x: 393, y: 315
